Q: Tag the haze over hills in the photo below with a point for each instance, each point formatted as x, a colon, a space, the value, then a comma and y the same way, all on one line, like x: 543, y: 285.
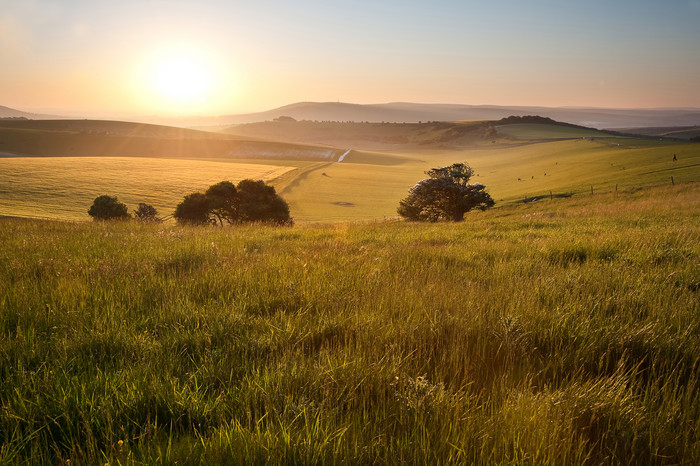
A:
x: 403, y: 112
x: 7, y: 112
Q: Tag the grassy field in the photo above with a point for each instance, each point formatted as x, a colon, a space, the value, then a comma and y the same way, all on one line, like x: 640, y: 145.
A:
x: 556, y: 332
x: 522, y: 161
x: 512, y: 172
x: 64, y: 187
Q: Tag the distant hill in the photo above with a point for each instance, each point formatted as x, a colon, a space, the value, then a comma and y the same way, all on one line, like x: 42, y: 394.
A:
x: 683, y: 133
x: 423, y: 135
x: 7, y: 112
x: 400, y: 112
x: 403, y: 112
x: 98, y: 138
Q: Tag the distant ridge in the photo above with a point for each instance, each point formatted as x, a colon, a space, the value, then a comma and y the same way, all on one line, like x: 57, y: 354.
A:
x: 402, y: 112
x: 7, y: 112
x: 405, y: 112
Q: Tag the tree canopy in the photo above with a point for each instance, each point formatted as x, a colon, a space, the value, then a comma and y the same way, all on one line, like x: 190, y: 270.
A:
x: 108, y: 207
x: 249, y: 201
x: 193, y: 210
x: 446, y: 195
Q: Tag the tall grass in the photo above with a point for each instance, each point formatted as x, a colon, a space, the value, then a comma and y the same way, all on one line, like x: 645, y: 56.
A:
x: 561, y: 332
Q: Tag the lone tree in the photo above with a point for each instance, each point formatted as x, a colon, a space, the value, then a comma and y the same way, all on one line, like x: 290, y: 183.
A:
x: 249, y: 201
x: 108, y: 207
x: 446, y: 195
x: 146, y: 213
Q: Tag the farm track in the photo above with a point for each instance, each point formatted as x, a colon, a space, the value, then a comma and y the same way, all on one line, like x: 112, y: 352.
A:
x: 303, y: 174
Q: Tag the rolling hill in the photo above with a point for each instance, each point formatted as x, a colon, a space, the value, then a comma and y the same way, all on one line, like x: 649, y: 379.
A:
x: 516, y: 158
x: 675, y: 132
x: 402, y: 112
x: 7, y: 112
x: 406, y: 112
x: 96, y: 138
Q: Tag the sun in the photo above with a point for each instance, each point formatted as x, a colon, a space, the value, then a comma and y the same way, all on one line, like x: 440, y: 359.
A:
x: 178, y: 79
x: 182, y: 79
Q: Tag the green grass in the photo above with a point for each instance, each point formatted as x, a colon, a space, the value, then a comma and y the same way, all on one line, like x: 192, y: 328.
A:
x: 557, y: 332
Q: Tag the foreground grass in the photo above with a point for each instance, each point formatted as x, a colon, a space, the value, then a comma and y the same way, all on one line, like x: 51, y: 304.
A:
x: 561, y: 332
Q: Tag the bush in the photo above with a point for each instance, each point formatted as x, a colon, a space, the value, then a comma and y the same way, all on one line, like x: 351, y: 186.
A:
x: 146, y: 213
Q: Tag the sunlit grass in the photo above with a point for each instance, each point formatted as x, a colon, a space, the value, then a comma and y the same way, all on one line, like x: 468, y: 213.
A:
x: 64, y: 187
x: 511, y: 173
x: 561, y: 332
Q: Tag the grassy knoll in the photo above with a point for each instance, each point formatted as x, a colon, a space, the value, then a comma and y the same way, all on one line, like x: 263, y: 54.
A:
x: 562, y: 332
x: 64, y: 187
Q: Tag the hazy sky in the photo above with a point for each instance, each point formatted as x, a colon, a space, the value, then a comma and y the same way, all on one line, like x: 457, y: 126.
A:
x: 103, y: 57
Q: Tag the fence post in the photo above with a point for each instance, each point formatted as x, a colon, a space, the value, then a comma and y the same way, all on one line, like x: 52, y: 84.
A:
x: 672, y: 183
x: 591, y: 189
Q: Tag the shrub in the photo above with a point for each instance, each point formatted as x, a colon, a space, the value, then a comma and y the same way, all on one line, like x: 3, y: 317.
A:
x: 146, y: 213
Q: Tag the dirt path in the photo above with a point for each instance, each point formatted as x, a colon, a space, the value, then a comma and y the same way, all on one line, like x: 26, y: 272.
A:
x: 302, y: 175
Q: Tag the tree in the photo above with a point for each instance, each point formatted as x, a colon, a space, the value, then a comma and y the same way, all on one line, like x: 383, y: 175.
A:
x: 108, y: 207
x: 249, y: 201
x: 194, y: 210
x: 223, y: 201
x: 446, y: 195
x: 146, y: 213
x: 259, y: 202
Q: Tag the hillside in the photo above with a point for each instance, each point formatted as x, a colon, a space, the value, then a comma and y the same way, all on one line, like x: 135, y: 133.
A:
x: 91, y: 138
x: 403, y: 136
x: 676, y: 132
x: 7, y: 112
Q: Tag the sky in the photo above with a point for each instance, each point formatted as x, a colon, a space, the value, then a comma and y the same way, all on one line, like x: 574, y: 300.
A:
x: 215, y: 57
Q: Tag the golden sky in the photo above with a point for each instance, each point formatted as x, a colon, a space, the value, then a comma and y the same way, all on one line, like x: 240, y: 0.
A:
x: 204, y: 57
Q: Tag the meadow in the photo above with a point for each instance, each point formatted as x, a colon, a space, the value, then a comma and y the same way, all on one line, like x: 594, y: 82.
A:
x: 552, y: 332
x: 159, y: 165
x: 64, y: 187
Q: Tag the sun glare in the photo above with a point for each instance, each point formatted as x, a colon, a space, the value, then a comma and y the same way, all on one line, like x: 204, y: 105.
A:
x: 182, y: 79
x: 179, y: 79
